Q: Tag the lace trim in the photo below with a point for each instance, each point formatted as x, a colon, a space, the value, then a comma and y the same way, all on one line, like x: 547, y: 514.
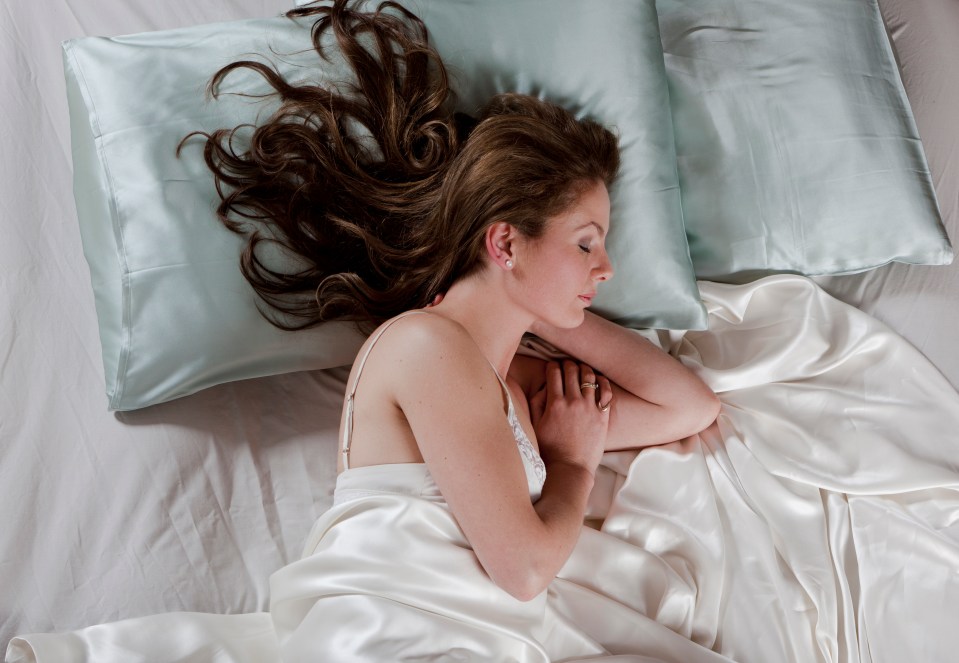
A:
x: 530, y: 457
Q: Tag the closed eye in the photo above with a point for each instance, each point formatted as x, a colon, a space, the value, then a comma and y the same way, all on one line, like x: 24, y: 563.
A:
x: 585, y: 249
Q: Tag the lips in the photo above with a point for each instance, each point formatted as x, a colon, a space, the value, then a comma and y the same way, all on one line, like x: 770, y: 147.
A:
x: 588, y: 298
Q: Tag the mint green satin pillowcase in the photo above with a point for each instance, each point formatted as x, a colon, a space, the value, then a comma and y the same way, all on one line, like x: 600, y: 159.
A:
x: 176, y: 315
x: 796, y: 145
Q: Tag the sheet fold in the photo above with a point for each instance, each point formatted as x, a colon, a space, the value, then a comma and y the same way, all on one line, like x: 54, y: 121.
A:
x: 816, y: 520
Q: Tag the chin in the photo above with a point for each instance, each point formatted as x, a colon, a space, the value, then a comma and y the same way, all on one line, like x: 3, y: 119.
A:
x: 569, y: 318
x: 573, y: 320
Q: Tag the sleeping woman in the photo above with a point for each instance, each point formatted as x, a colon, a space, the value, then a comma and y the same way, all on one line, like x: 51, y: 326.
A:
x: 465, y: 468
x: 452, y: 237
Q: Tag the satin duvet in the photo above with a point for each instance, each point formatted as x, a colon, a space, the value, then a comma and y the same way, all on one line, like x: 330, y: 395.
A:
x: 816, y: 520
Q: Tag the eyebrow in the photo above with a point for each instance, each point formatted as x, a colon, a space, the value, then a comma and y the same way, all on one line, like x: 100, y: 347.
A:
x: 602, y: 232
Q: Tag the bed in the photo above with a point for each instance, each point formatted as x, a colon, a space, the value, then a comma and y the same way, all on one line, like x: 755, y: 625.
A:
x: 191, y: 504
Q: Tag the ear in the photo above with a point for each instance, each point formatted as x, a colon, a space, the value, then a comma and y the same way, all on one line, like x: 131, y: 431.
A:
x: 500, y: 237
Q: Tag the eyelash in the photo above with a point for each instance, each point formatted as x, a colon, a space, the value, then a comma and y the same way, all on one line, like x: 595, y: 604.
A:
x: 585, y: 249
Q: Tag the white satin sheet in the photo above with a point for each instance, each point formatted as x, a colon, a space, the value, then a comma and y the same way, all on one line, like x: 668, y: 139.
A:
x: 816, y: 520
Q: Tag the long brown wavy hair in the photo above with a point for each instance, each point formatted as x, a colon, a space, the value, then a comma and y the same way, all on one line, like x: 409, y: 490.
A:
x: 381, y: 195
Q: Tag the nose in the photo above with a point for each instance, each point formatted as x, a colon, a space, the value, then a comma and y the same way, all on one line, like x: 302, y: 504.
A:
x: 604, y: 270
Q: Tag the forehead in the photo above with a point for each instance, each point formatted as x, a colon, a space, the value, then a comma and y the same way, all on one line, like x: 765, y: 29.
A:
x: 590, y: 209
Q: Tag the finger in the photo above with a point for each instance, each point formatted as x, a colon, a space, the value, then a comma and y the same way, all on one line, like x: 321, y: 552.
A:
x: 554, y: 380
x: 605, y: 390
x: 588, y: 387
x: 571, y: 372
x: 537, y: 405
x: 587, y: 373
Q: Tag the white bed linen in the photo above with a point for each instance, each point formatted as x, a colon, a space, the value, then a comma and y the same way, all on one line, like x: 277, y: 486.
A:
x: 192, y: 505
x: 817, y: 520
x: 186, y: 506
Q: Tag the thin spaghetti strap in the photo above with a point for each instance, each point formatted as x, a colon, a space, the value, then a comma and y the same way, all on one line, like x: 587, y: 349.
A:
x: 502, y: 383
x: 348, y: 427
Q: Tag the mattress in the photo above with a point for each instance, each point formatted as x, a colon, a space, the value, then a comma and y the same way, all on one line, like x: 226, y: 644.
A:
x: 191, y: 505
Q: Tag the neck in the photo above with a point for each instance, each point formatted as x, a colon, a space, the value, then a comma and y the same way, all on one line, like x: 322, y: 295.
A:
x: 495, y: 323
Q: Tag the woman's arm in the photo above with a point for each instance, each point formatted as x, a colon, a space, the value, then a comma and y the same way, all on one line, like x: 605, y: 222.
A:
x: 454, y: 404
x: 655, y: 398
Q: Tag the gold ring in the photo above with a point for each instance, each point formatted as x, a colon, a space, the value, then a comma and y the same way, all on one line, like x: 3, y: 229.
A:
x: 589, y: 385
x: 605, y: 408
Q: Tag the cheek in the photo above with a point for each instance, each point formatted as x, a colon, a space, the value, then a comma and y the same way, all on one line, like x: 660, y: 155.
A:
x: 554, y: 272
x: 564, y: 276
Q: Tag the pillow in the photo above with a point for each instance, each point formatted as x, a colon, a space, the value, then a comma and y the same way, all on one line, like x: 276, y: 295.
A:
x: 175, y: 313
x: 796, y: 146
x: 606, y: 65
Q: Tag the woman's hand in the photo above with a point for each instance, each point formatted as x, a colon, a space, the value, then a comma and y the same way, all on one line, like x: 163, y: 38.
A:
x: 658, y: 399
x: 570, y: 414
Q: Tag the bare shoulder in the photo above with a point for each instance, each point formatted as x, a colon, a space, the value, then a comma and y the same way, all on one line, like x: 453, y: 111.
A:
x: 417, y: 375
x: 423, y: 338
x: 432, y: 350
x: 450, y: 397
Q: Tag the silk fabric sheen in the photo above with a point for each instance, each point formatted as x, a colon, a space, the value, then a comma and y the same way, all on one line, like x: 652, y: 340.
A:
x: 816, y: 520
x: 796, y: 145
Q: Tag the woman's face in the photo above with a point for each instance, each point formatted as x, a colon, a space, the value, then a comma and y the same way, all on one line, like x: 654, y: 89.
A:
x: 560, y: 270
